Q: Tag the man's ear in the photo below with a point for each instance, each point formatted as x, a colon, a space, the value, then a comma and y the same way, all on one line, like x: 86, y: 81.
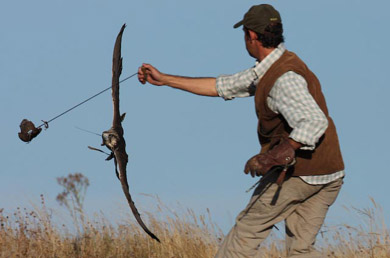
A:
x: 252, y: 35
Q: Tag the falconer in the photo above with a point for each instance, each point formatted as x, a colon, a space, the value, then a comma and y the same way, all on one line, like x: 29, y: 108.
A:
x: 300, y: 159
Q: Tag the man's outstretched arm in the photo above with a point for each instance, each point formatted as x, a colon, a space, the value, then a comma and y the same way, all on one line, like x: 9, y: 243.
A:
x: 200, y: 86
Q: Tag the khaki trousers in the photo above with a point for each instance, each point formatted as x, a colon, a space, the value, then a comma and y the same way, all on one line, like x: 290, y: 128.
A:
x: 301, y: 205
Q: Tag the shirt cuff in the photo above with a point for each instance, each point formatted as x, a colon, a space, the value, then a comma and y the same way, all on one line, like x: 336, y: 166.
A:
x: 309, y: 140
x: 219, y: 87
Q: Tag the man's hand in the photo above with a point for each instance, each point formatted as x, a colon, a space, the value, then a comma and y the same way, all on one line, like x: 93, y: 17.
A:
x: 282, y: 154
x: 147, y: 73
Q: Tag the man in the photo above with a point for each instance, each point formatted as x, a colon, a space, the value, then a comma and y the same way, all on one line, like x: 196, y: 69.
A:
x: 300, y: 158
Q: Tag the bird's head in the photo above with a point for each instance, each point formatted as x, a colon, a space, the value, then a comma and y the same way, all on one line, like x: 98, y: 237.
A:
x: 110, y: 139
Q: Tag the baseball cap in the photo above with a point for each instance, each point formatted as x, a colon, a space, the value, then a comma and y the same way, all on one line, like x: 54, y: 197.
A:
x: 259, y: 17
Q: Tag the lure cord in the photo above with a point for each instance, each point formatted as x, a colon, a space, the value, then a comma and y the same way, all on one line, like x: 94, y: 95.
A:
x: 46, y: 123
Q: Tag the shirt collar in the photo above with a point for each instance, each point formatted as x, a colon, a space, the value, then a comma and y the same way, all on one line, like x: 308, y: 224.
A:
x: 261, y: 68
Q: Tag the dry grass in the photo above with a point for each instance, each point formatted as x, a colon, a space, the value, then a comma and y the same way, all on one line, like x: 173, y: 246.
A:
x: 33, y: 234
x: 370, y: 239
x: 183, y: 234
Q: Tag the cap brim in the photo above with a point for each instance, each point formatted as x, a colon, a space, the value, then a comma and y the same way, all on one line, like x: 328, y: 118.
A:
x: 238, y: 24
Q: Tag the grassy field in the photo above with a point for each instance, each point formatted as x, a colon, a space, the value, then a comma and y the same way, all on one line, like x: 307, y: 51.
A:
x: 183, y: 234
x: 32, y: 233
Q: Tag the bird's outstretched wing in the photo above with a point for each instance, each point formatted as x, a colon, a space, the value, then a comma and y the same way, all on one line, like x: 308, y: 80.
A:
x: 113, y: 138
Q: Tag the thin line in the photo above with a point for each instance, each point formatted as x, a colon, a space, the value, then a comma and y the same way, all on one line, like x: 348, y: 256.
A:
x: 87, y: 131
x: 97, y: 94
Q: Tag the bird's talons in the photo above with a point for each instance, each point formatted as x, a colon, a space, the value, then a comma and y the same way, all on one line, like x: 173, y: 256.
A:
x: 111, y: 156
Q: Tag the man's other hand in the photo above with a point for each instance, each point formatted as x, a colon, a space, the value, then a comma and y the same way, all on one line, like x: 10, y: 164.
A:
x: 282, y: 154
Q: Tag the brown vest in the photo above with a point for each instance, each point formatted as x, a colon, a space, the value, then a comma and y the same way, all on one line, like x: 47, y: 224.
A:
x: 326, y: 157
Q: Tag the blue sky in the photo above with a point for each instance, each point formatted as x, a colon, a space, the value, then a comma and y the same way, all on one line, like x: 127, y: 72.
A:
x: 183, y: 148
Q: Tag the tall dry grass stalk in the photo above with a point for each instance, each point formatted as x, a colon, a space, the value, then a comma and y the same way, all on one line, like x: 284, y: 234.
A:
x: 183, y: 234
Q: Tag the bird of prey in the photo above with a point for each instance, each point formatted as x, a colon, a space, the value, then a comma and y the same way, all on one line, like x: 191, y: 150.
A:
x: 113, y: 138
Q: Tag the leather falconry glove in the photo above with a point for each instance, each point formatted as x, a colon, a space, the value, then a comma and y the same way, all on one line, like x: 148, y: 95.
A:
x: 282, y: 155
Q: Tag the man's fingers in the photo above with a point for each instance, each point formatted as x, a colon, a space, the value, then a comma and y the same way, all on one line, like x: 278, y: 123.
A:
x: 145, y: 72
x: 253, y: 173
x: 148, y: 66
x: 141, y: 75
x: 249, y: 169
